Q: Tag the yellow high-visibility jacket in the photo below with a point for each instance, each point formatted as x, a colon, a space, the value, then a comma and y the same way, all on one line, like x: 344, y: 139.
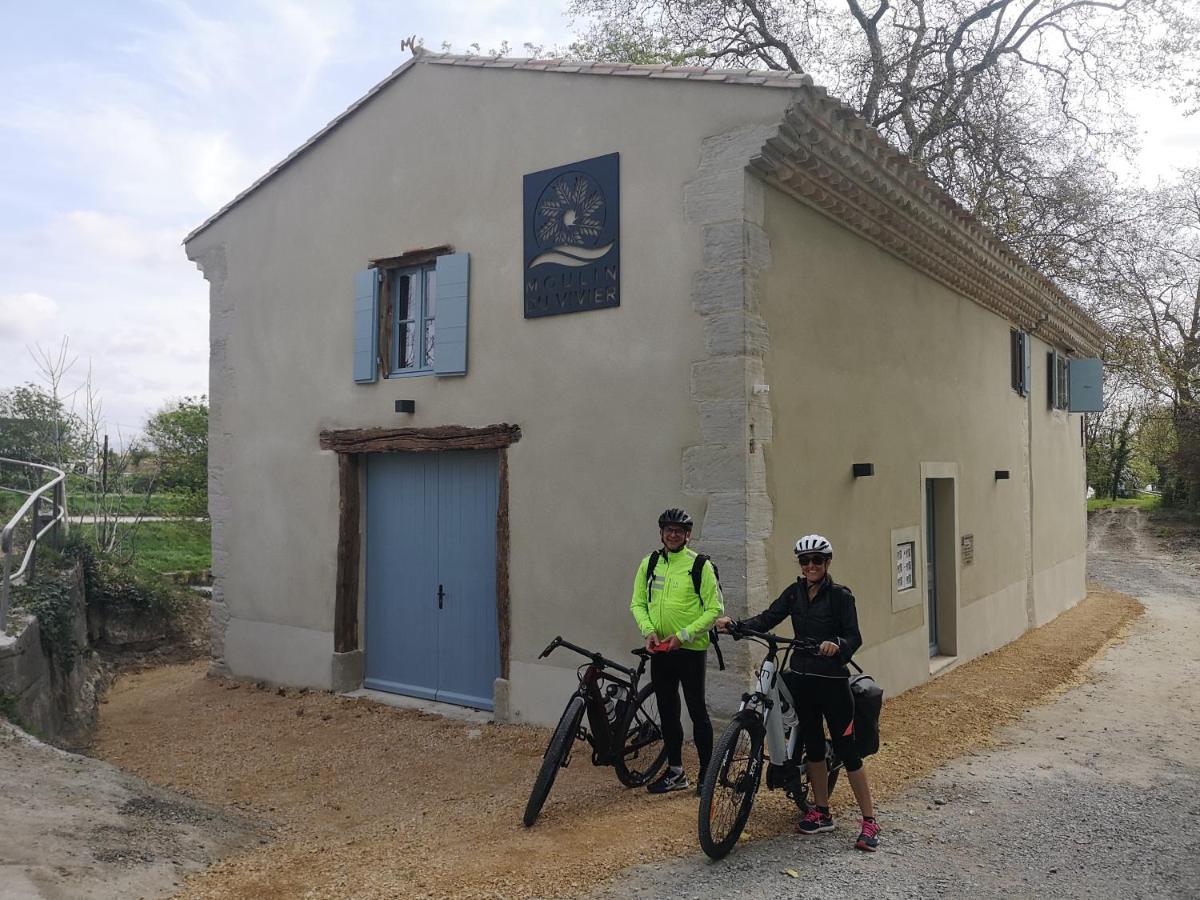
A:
x: 671, y: 606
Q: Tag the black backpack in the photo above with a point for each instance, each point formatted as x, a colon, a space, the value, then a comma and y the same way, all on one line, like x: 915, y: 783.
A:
x: 697, y: 574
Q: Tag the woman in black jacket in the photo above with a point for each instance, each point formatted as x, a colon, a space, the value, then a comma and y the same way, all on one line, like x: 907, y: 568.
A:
x: 823, y: 612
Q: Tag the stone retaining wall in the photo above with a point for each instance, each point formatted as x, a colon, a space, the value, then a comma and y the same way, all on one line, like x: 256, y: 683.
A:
x: 57, y: 703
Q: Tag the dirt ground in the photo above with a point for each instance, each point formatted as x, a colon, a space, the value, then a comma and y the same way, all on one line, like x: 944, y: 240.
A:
x: 371, y: 801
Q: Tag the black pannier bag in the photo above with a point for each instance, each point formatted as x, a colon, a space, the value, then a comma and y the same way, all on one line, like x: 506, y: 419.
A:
x: 868, y: 704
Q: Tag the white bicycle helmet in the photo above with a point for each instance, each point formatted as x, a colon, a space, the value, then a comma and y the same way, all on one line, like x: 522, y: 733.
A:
x: 814, y: 543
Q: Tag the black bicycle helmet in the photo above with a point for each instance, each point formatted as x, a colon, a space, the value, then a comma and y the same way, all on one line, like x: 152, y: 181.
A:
x: 675, y: 516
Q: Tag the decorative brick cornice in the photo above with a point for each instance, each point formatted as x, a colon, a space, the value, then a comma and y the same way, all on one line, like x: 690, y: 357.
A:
x: 826, y: 157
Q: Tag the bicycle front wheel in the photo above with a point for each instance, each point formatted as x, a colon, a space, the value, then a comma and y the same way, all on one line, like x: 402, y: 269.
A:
x: 643, y: 750
x: 556, y: 756
x: 727, y: 793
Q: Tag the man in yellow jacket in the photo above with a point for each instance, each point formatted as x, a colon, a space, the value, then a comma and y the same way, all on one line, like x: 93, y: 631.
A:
x: 674, y: 608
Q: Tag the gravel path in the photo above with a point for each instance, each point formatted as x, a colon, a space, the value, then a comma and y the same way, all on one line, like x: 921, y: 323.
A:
x: 1096, y: 794
x: 73, y: 827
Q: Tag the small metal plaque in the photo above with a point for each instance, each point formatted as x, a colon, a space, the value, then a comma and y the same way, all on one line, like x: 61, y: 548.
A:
x: 572, y: 238
x: 905, y: 578
x: 968, y: 549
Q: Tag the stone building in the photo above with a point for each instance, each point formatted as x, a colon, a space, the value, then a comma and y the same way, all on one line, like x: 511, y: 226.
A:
x: 473, y: 336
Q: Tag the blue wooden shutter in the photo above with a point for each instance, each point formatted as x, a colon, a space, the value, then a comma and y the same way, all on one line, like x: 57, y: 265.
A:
x: 1027, y: 355
x: 1086, y: 380
x: 366, y: 325
x: 453, y: 277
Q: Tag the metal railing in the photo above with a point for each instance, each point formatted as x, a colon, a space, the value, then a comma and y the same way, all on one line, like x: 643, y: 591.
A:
x: 39, y: 526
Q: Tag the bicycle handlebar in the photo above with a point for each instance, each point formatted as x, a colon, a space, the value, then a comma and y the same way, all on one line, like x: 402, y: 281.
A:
x: 738, y: 631
x: 596, y: 658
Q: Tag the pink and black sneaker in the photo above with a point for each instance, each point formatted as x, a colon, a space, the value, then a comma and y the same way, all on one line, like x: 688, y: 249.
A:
x: 868, y: 838
x: 815, y: 820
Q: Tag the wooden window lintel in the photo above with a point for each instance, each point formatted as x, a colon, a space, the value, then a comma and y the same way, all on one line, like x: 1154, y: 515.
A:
x: 415, y: 257
x: 442, y: 437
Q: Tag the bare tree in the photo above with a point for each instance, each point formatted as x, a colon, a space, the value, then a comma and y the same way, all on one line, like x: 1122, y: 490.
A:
x: 95, y: 470
x: 1012, y: 106
x: 54, y: 366
x: 1150, y: 281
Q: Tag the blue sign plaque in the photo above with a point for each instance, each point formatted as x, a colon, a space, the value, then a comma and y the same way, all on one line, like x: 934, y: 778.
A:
x: 572, y: 238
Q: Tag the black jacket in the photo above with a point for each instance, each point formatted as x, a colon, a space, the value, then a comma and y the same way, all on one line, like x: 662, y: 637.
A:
x: 829, y: 616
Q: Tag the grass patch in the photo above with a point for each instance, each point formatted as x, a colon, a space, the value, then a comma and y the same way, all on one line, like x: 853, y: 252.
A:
x: 1175, y: 516
x: 135, y: 504
x: 160, y: 547
x: 1178, y: 529
x: 9, y: 504
x: 1141, y: 501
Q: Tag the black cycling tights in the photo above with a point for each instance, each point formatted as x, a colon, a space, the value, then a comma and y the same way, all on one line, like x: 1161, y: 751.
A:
x: 667, y: 672
x: 819, y: 697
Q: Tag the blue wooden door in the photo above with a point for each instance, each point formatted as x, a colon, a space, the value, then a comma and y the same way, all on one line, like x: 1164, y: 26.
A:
x: 430, y: 621
x: 468, y: 637
x: 400, y: 622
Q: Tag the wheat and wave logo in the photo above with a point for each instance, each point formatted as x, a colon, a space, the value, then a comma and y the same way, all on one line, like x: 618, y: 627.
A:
x: 569, y: 220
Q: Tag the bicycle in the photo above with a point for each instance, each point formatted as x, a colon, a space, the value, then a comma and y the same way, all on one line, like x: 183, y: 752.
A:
x: 767, y: 714
x: 622, y: 727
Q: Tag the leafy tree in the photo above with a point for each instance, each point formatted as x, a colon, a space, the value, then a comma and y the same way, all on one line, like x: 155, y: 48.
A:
x: 35, y: 427
x: 179, y: 434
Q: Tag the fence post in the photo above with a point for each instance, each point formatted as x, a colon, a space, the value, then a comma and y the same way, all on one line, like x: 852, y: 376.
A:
x: 5, y: 581
x: 36, y: 513
x: 60, y: 513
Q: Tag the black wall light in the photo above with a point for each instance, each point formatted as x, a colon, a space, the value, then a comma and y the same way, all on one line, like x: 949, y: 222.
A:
x: 862, y: 470
x: 406, y: 406
x: 1002, y: 474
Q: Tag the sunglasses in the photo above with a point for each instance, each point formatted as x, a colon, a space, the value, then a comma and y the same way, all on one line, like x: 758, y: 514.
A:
x: 811, y: 560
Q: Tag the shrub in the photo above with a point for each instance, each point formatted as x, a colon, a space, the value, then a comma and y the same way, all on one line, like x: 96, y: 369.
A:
x: 109, y: 584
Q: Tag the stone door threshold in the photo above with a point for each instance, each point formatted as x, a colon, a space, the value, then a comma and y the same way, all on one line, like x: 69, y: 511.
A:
x: 940, y: 664
x: 447, y: 710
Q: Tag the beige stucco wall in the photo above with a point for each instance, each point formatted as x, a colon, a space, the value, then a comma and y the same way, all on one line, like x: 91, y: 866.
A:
x: 1059, y: 480
x: 871, y: 361
x: 602, y: 398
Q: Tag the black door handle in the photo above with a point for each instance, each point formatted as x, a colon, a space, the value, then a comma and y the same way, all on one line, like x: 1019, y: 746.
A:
x: 441, y: 596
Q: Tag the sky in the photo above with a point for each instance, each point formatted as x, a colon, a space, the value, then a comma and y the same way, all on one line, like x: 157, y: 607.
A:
x: 125, y: 124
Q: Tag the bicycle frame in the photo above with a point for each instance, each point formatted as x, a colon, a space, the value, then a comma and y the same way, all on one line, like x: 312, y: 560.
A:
x: 599, y: 731
x: 771, y: 689
x: 766, y: 726
x: 618, y: 726
x: 780, y: 727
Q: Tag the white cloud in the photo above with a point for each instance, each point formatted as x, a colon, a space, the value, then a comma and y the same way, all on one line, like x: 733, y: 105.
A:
x: 25, y: 317
x: 116, y: 237
x: 135, y: 160
x: 267, y: 56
